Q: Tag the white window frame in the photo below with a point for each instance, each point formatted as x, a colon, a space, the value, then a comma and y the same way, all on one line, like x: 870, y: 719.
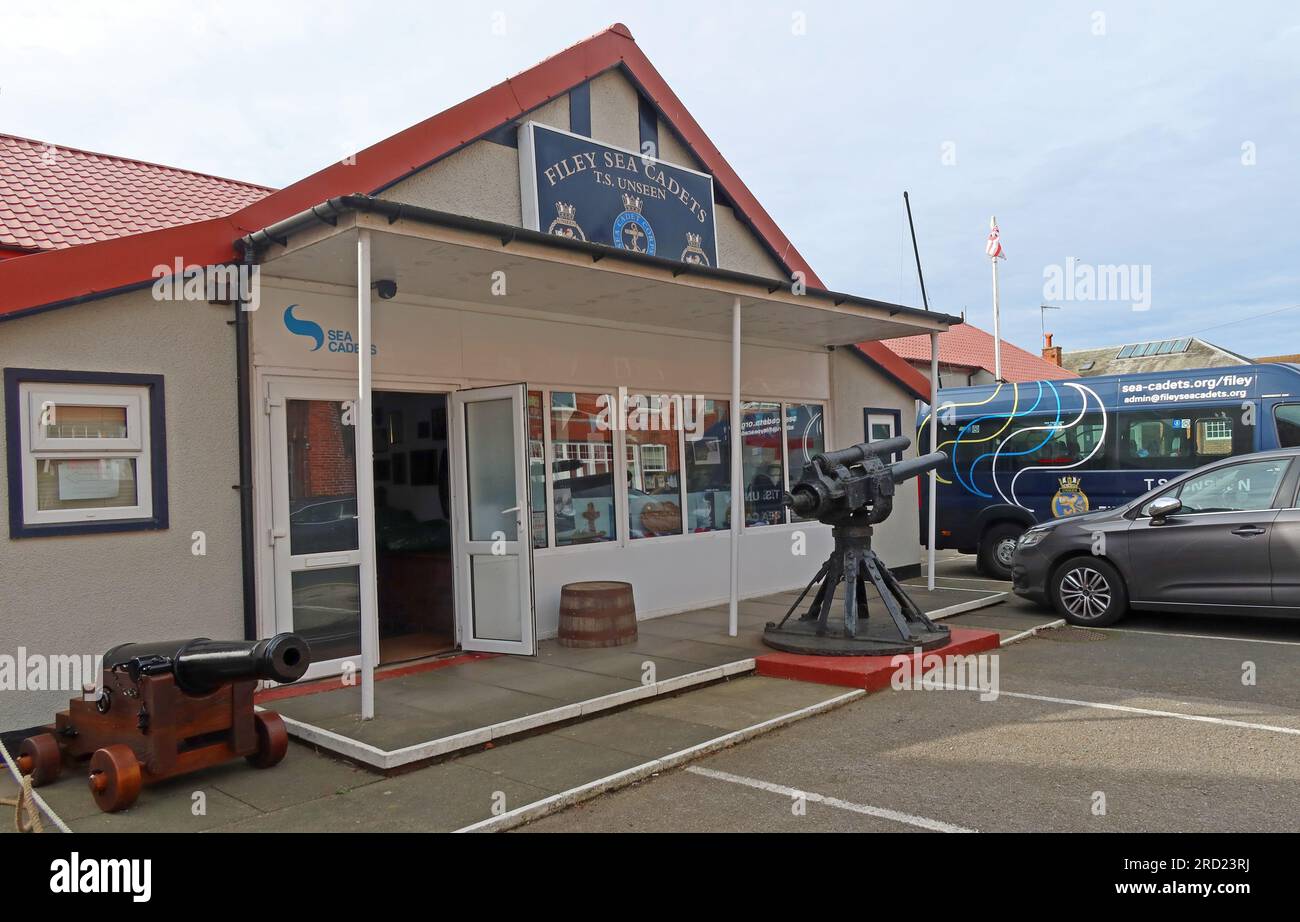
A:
x: 35, y: 446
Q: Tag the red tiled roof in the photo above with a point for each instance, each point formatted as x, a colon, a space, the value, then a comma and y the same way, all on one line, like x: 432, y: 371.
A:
x: 968, y: 346
x: 53, y: 197
x: 74, y: 273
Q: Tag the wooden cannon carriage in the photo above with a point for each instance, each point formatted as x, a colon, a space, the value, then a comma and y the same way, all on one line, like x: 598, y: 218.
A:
x: 168, y: 709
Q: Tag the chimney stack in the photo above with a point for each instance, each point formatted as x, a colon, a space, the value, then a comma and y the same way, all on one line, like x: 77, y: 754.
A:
x: 1052, y: 353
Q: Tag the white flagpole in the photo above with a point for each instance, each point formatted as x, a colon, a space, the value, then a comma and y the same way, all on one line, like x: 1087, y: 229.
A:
x: 997, y: 324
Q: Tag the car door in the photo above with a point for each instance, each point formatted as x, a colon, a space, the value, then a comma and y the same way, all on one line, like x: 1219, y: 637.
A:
x: 1215, y: 551
x: 1284, y: 553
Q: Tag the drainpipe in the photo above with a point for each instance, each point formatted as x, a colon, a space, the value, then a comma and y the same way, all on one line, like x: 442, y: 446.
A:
x: 243, y: 390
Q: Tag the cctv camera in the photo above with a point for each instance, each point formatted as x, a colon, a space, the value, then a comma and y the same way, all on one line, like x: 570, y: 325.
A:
x: 386, y: 289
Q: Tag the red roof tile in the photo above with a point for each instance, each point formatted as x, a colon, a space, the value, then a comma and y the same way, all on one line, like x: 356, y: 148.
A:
x: 968, y: 346
x: 53, y: 197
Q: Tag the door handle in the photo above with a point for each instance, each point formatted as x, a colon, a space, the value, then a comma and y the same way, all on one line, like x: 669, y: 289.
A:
x: 1248, y: 531
x: 511, y: 509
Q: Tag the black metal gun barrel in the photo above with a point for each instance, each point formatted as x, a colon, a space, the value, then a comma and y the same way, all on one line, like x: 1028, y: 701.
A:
x: 855, y: 454
x: 201, y: 666
x: 902, y: 470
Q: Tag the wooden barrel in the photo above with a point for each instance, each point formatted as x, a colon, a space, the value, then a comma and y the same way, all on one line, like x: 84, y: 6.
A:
x: 600, y: 613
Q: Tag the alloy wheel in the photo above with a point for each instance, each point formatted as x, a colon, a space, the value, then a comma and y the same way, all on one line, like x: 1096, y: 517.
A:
x: 1085, y: 593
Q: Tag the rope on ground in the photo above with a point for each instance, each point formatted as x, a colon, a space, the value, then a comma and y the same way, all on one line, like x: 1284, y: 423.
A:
x: 27, y: 816
x: 28, y: 805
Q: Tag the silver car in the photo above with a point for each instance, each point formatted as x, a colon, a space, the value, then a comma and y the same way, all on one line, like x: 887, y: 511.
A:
x: 1222, y: 539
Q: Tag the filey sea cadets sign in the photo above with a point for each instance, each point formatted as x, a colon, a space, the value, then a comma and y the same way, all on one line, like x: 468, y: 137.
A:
x: 575, y: 187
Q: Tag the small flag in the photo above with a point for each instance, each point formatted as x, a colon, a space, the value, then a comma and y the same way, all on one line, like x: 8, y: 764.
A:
x: 994, y: 246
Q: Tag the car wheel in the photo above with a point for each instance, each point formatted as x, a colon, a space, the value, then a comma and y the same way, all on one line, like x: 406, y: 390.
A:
x: 997, y: 548
x: 1089, y: 592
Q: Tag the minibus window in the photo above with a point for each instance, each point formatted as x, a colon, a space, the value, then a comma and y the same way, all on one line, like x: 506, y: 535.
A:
x: 1288, y: 425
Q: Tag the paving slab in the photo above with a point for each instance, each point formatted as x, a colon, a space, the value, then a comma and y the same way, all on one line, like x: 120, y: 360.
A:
x: 166, y: 807
x: 551, y: 762
x: 740, y: 703
x: 441, y: 798
x: 646, y: 735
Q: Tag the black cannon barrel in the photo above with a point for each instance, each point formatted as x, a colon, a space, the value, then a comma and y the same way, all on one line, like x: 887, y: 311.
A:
x: 200, y: 665
x: 855, y: 454
x: 803, y: 502
x: 902, y: 470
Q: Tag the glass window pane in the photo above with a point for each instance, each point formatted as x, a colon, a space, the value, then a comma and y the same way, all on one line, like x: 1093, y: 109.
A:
x: 93, y: 483
x: 322, y: 477
x: 805, y: 436
x: 72, y: 421
x: 582, y: 468
x: 654, y: 483
x: 327, y: 611
x: 1288, y: 425
x: 490, y: 451
x: 708, y: 468
x: 1238, y: 488
x: 1181, y: 439
x: 537, y: 467
x: 762, y: 468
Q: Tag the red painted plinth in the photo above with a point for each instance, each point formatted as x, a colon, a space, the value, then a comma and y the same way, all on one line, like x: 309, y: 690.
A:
x: 869, y: 672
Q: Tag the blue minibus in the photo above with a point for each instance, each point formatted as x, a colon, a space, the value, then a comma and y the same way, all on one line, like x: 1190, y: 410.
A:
x: 1024, y: 453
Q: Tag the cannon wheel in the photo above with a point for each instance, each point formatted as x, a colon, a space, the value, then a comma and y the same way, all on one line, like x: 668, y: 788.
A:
x: 115, y: 777
x: 272, y: 740
x: 39, y: 756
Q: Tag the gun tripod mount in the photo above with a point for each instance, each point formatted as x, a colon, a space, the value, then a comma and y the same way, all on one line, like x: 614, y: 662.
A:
x: 852, y: 490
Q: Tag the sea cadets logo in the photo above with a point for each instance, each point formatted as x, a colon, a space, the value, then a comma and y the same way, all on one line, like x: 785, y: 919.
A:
x: 339, y: 340
x: 631, y: 230
x: 694, y: 253
x: 1069, y: 499
x: 566, y: 222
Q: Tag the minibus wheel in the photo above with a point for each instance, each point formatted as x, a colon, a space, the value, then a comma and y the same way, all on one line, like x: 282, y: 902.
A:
x: 997, y: 547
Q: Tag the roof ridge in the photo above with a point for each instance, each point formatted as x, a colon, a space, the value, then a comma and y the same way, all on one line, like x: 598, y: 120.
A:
x: 136, y: 160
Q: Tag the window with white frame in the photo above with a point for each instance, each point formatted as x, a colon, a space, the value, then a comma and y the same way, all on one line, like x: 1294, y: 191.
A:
x: 85, y: 453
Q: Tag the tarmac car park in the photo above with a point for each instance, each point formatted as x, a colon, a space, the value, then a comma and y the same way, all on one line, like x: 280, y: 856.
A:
x: 1170, y: 722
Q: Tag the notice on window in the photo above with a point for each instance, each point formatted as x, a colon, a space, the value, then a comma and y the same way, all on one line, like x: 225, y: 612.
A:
x: 98, y: 479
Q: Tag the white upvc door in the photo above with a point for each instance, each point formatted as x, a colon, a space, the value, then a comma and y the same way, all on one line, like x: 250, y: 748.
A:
x: 313, y: 533
x: 494, y: 585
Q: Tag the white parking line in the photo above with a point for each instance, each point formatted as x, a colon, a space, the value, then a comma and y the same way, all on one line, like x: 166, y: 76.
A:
x: 880, y: 812
x: 1128, y: 709
x: 1127, y: 630
x: 1033, y: 632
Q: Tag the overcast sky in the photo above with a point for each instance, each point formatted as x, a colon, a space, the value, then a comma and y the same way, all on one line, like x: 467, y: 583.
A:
x: 1152, y: 135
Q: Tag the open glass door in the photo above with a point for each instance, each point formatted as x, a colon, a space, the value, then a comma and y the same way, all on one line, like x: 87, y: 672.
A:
x: 494, y: 585
x: 314, y: 520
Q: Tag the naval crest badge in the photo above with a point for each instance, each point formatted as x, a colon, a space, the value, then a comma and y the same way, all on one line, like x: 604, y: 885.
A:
x: 1069, y: 499
x: 631, y: 230
x: 566, y: 222
x: 694, y: 253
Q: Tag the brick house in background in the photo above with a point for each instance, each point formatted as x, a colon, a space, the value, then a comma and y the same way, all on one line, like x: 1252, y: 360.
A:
x: 966, y: 358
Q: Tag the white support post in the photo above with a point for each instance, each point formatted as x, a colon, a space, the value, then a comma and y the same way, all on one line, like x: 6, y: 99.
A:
x: 934, y: 446
x: 997, y: 326
x: 366, y: 484
x: 737, y: 487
